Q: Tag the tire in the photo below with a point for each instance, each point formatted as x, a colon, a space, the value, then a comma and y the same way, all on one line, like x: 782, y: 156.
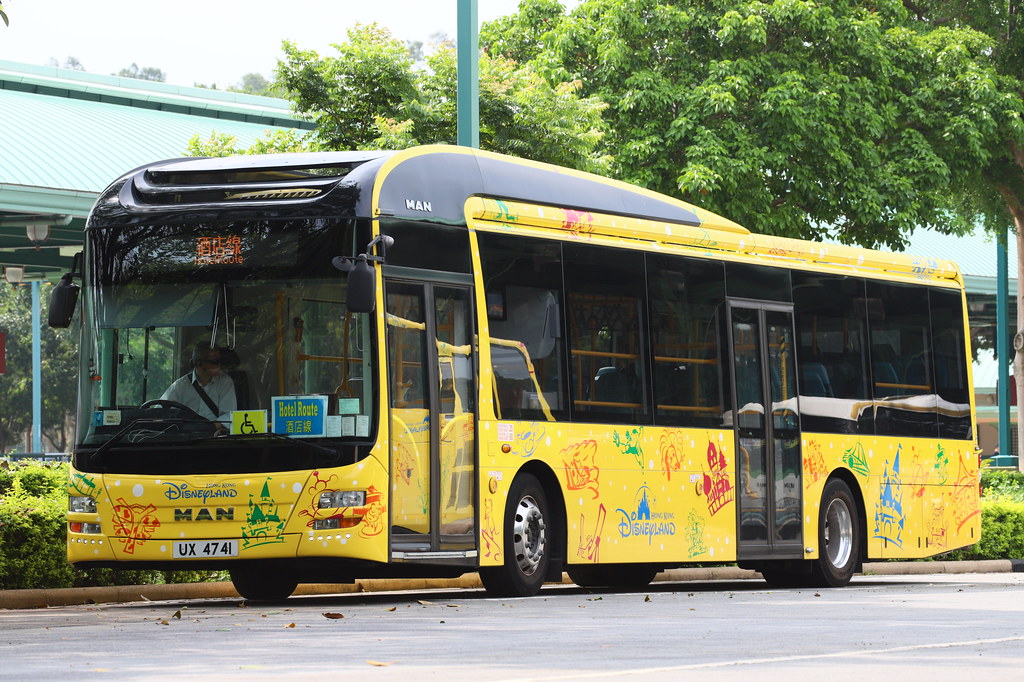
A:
x: 528, y: 542
x: 839, y: 536
x: 262, y: 585
x: 614, y: 576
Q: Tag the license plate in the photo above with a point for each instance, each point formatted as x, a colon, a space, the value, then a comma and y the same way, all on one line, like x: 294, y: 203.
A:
x: 205, y: 549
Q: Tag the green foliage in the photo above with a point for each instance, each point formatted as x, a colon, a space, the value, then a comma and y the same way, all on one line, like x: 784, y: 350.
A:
x: 272, y: 142
x: 147, y: 73
x: 33, y: 536
x: 3, y: 16
x: 1002, y: 486
x: 839, y: 120
x: 370, y: 97
x: 59, y: 372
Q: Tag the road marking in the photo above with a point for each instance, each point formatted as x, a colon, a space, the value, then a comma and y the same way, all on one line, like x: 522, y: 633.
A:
x: 775, y: 659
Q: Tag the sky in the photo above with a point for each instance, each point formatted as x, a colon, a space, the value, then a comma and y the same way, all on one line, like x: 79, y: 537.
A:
x: 213, y: 42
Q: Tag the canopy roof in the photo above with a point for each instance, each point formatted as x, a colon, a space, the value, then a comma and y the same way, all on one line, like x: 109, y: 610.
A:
x: 66, y: 135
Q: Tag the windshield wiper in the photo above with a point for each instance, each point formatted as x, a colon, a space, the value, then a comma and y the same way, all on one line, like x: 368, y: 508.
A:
x: 117, y: 437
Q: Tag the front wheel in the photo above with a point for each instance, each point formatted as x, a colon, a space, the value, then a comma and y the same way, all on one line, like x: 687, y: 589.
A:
x: 263, y: 585
x: 839, y: 540
x: 527, y: 545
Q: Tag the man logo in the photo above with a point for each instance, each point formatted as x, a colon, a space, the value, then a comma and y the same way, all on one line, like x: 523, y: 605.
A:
x: 413, y: 205
x: 204, y: 514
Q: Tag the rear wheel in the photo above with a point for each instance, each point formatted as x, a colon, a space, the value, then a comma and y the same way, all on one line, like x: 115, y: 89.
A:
x: 839, y: 538
x: 262, y: 584
x: 528, y: 542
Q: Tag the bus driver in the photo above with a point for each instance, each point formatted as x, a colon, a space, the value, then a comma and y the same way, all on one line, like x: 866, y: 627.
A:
x: 206, y: 389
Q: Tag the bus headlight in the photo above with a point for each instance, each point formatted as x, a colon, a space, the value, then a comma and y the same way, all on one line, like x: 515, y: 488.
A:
x: 83, y: 505
x: 336, y: 499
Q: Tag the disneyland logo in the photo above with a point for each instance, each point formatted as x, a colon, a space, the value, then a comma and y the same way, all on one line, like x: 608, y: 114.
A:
x: 643, y: 522
x: 184, y: 492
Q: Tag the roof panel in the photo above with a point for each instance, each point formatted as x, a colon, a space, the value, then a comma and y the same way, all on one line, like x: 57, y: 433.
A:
x: 76, y: 144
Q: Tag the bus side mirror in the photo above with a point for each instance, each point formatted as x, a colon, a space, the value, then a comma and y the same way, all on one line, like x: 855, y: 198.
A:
x: 63, y: 300
x: 362, y: 287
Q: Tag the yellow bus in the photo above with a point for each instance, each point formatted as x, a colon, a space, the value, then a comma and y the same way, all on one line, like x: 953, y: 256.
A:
x: 440, y: 360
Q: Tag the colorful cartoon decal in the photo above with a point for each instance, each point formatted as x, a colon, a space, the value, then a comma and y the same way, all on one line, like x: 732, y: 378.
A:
x: 644, y: 522
x: 814, y: 465
x: 629, y: 444
x: 854, y: 458
x: 134, y: 523
x: 695, y: 535
x: 82, y: 485
x: 938, y: 524
x: 671, y: 451
x: 578, y: 223
x: 489, y: 534
x: 319, y: 486
x: 580, y: 470
x: 264, y: 525
x: 941, y: 465
x: 529, y: 439
x: 965, y: 497
x: 718, y: 488
x: 376, y: 513
x: 589, y: 547
x: 889, y: 518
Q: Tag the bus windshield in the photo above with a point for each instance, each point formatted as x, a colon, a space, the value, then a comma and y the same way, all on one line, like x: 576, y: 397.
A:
x: 213, y: 333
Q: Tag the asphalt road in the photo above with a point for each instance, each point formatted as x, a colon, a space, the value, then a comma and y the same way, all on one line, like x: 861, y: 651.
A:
x: 907, y: 627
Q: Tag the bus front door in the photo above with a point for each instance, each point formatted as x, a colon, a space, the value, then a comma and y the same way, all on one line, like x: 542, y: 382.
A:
x: 767, y: 425
x: 431, y: 355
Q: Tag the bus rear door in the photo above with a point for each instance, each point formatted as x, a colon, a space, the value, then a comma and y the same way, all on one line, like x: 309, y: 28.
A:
x: 767, y: 424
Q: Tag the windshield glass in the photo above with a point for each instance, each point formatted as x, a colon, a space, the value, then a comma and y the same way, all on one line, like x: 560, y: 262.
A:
x: 217, y: 333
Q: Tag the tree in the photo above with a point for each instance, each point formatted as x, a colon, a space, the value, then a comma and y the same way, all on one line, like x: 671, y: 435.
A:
x: 996, y: 196
x: 829, y: 120
x: 58, y: 372
x: 147, y: 73
x: 371, y: 97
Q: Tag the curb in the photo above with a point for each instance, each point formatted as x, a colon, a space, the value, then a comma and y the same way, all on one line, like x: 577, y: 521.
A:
x: 76, y: 596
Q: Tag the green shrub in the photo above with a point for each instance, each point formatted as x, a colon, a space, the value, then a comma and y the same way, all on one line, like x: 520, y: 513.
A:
x: 33, y: 536
x: 1003, y: 485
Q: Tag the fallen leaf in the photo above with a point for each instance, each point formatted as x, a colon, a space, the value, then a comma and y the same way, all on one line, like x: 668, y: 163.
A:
x: 177, y: 614
x: 453, y: 606
x: 817, y: 594
x: 164, y: 622
x: 393, y: 608
x: 425, y: 602
x: 334, y: 615
x: 380, y: 664
x: 647, y: 598
x: 290, y: 625
x: 595, y: 598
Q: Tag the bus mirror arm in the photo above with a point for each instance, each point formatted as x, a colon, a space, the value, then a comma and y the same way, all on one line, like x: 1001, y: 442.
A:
x: 362, y: 279
x: 63, y: 300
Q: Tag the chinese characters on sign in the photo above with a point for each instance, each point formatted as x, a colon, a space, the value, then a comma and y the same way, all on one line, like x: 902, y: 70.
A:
x: 219, y: 250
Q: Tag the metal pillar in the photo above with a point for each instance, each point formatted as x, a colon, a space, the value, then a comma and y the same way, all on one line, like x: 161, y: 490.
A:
x: 37, y: 379
x: 468, y: 59
x: 1003, y: 360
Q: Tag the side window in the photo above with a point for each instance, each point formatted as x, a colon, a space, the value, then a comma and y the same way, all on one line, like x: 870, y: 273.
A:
x: 523, y: 289
x: 686, y: 297
x: 831, y: 322
x: 901, y: 363
x: 605, y: 290
x: 950, y: 353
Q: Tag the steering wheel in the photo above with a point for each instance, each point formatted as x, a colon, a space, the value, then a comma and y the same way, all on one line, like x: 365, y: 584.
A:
x: 163, y: 402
